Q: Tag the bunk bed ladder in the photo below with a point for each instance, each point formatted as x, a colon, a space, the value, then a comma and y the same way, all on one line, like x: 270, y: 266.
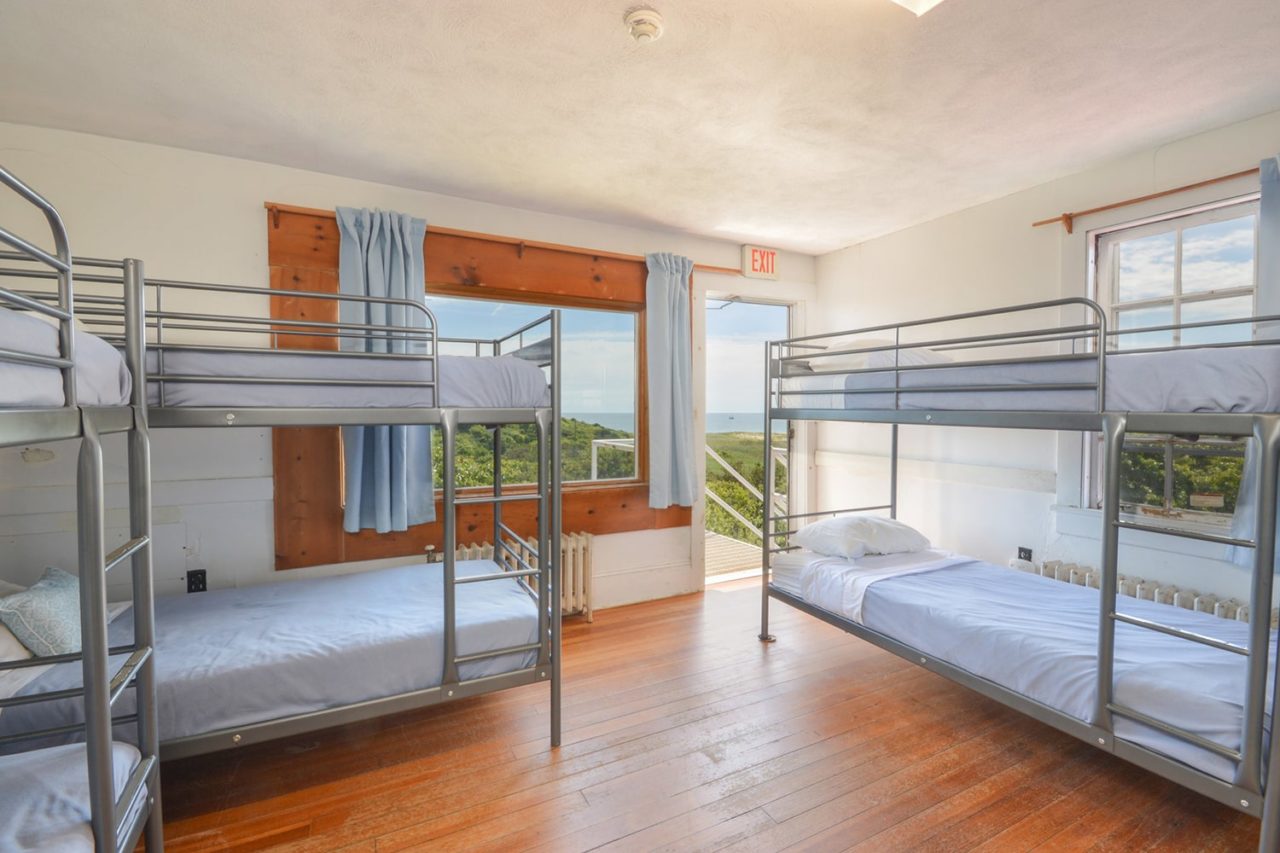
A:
x: 1249, y: 758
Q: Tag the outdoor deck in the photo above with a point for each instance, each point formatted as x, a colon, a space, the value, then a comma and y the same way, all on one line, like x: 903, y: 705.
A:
x: 726, y: 556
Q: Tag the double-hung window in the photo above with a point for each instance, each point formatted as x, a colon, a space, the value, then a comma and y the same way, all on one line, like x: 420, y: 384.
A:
x: 1181, y: 276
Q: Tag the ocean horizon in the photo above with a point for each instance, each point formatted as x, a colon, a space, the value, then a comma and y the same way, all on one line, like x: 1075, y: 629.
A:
x: 716, y: 421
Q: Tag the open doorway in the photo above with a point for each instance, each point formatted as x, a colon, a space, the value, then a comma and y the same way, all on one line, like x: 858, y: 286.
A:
x: 735, y: 433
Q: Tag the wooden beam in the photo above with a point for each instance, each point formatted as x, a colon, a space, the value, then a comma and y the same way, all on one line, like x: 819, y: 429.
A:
x: 521, y: 244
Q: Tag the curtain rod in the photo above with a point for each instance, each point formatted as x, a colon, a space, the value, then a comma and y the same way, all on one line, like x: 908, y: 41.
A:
x: 276, y: 209
x: 1068, y: 219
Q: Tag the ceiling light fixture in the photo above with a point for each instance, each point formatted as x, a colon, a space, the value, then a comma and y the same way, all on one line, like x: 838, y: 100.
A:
x: 644, y: 24
x: 918, y: 6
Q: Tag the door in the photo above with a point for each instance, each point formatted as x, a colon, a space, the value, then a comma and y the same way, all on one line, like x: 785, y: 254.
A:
x: 737, y: 330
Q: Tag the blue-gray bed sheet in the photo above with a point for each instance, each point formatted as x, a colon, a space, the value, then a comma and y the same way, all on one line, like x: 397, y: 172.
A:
x: 1039, y: 637
x: 44, y: 798
x: 233, y: 657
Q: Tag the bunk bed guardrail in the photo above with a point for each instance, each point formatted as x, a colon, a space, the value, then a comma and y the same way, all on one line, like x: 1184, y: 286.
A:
x: 117, y: 821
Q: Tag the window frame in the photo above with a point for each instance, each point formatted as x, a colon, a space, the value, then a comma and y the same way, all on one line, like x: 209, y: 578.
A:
x: 640, y: 452
x: 302, y: 254
x: 1104, y: 289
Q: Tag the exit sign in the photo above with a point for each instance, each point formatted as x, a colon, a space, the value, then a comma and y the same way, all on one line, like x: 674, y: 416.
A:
x: 759, y: 262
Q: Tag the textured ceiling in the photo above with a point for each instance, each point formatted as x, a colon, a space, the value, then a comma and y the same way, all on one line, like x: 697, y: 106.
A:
x: 806, y: 124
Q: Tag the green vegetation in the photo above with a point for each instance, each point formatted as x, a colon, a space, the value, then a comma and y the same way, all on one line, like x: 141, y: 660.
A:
x: 520, y: 454
x: 743, y: 450
x: 1198, y: 468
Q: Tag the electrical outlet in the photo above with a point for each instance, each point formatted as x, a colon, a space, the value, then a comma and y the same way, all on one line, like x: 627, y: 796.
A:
x: 1024, y: 553
x: 197, y: 581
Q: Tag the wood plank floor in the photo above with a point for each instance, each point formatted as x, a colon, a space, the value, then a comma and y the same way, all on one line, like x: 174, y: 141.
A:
x: 684, y: 733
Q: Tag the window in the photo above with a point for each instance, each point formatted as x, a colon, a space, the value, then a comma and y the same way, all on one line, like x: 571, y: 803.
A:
x: 1187, y: 269
x: 599, y: 359
x: 1182, y: 270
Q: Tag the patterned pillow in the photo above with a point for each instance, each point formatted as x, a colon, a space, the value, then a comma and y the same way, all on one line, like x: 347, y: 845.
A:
x: 46, y: 617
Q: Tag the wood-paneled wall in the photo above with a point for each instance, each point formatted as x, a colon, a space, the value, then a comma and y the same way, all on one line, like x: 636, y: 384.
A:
x: 303, y: 255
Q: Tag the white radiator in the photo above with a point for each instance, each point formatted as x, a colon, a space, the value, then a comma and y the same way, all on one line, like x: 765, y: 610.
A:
x: 1151, y: 590
x: 575, y: 568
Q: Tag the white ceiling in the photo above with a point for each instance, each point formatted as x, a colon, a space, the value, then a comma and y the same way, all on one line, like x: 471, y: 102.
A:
x: 805, y: 124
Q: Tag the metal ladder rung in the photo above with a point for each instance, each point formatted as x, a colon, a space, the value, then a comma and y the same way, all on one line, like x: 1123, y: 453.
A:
x: 57, y: 731
x: 495, y: 576
x: 126, y: 551
x: 1175, y: 731
x: 142, y: 774
x: 1178, y: 632
x: 127, y: 671
x: 512, y: 650
x: 69, y: 693
x: 1184, y: 534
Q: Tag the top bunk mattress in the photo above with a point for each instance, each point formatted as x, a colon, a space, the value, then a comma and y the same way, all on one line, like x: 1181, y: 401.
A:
x: 1212, y: 379
x: 102, y: 379
x: 499, y: 382
x: 1039, y: 637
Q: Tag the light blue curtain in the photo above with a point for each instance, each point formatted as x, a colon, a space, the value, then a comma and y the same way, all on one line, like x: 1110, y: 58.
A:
x: 388, y: 468
x: 670, y: 367
x: 1268, y: 299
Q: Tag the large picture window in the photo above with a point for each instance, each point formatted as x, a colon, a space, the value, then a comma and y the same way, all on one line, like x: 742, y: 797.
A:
x: 599, y: 400
x: 1184, y: 269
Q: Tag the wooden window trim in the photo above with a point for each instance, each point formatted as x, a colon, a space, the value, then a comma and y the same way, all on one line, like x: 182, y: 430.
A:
x: 303, y: 254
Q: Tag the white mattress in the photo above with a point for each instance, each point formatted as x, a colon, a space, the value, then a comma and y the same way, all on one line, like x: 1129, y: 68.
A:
x: 1038, y: 637
x: 1225, y: 379
x: 234, y: 657
x: 44, y: 797
x: 101, y: 376
x: 465, y: 382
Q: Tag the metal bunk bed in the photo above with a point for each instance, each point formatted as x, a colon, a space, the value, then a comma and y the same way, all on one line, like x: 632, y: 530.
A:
x: 1061, y: 377
x: 182, y: 366
x: 106, y: 672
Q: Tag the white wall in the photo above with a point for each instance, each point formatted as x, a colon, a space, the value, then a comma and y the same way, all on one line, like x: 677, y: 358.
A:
x: 197, y: 216
x: 986, y: 492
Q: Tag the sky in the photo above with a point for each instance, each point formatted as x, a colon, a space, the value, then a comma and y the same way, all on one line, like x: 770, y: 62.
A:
x: 1215, y: 256
x: 736, y: 334
x: 599, y: 352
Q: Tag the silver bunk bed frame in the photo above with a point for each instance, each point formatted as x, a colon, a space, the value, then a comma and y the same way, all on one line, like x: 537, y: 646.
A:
x: 1250, y: 792
x: 117, y: 823
x: 517, y: 558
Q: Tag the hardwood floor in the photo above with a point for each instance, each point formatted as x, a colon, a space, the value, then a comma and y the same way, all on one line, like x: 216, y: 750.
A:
x: 682, y: 732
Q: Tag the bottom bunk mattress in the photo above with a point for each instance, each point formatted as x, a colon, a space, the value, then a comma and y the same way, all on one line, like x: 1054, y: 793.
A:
x: 44, y: 797
x: 1039, y: 637
x: 234, y: 657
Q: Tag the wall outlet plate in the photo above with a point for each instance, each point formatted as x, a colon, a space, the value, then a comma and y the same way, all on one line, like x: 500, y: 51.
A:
x: 197, y: 580
x: 1024, y: 553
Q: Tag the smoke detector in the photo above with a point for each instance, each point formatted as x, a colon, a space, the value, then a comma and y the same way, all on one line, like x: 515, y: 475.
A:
x: 644, y: 24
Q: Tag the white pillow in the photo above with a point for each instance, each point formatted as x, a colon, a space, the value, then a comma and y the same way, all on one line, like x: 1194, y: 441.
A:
x: 853, y: 536
x: 907, y: 357
x: 7, y: 588
x: 10, y: 648
x: 878, y: 358
x: 851, y: 361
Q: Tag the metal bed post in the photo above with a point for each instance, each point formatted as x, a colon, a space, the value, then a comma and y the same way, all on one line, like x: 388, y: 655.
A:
x: 1113, y: 429
x: 497, y: 496
x: 553, y: 551
x: 1249, y: 772
x: 543, y: 430
x: 93, y: 616
x: 1269, y: 835
x: 140, y: 527
x: 767, y: 500
x: 449, y: 440
x: 893, y: 471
